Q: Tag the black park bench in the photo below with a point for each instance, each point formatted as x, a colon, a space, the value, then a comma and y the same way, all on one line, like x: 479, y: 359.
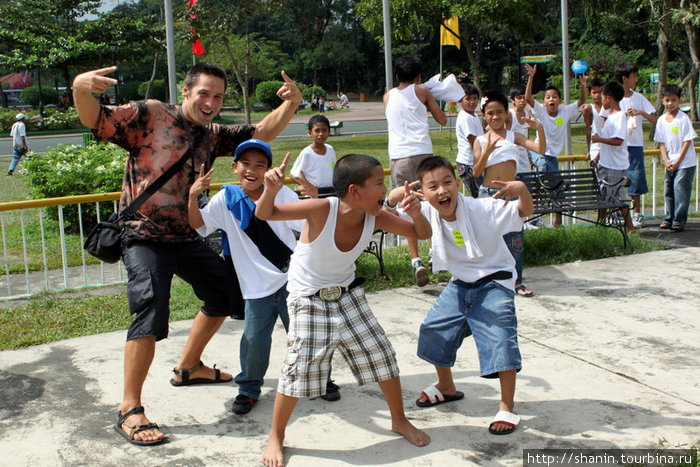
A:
x: 571, y: 192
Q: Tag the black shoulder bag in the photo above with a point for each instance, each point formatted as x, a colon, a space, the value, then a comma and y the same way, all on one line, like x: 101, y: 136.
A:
x: 104, y: 240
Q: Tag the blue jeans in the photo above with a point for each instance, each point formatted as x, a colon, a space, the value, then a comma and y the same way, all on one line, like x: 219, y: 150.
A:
x: 16, y: 156
x: 544, y: 162
x: 636, y: 171
x: 486, y: 311
x: 260, y: 317
x: 677, y: 188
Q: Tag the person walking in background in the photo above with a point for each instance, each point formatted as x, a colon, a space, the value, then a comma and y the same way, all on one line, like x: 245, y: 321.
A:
x: 19, y: 141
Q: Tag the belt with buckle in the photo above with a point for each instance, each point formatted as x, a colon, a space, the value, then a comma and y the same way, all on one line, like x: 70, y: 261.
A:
x: 331, y: 294
x: 495, y: 276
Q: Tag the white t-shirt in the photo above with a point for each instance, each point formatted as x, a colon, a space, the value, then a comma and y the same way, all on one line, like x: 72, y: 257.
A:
x: 614, y: 157
x: 320, y: 263
x: 407, y: 122
x: 318, y: 169
x: 521, y: 129
x: 18, y: 131
x: 596, y: 126
x: 639, y: 102
x: 467, y: 125
x: 555, y: 127
x: 673, y: 134
x: 505, y: 150
x: 490, y: 219
x: 257, y: 276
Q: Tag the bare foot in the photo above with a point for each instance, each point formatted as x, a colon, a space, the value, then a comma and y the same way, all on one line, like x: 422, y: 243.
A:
x: 411, y: 433
x: 273, y: 455
x: 137, y: 419
x: 204, y: 372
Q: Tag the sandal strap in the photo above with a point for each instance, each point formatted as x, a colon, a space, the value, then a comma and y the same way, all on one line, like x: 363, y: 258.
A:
x: 133, y: 411
x: 185, y: 374
x: 217, y: 373
x: 139, y: 428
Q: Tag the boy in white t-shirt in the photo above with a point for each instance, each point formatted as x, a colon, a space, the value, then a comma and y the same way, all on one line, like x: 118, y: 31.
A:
x: 612, y: 162
x: 327, y: 307
x: 675, y: 135
x: 468, y: 127
x: 635, y: 106
x: 592, y: 117
x: 555, y: 120
x: 260, y: 252
x: 467, y: 239
x: 313, y: 169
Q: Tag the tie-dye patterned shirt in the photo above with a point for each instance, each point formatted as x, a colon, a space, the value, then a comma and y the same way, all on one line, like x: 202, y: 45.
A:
x: 155, y: 137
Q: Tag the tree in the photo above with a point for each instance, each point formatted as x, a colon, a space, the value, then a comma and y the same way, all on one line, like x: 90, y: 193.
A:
x: 47, y: 33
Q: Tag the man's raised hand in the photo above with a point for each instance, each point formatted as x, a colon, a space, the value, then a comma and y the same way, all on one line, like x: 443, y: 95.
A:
x: 95, y: 81
x: 289, y: 90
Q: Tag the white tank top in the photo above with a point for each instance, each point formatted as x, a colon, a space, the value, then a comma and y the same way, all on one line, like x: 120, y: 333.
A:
x: 506, y: 149
x: 320, y: 263
x: 407, y: 121
x: 596, y: 127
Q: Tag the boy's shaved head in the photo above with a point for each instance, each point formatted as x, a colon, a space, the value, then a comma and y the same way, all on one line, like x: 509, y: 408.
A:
x: 352, y: 169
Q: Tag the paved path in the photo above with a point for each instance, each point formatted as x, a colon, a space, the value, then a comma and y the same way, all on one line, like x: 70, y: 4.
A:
x: 610, y: 351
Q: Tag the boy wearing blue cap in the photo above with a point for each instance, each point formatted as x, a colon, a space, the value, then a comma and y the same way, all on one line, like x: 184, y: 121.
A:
x: 262, y: 251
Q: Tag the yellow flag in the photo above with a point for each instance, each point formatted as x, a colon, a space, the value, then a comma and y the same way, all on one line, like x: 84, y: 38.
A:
x: 448, y: 37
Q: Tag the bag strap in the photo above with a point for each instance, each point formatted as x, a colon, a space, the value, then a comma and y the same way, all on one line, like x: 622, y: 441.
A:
x: 129, y: 211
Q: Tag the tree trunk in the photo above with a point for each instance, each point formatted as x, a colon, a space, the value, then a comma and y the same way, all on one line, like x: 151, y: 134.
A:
x: 241, y: 77
x: 153, y: 75
x: 246, y: 103
x: 662, y: 43
x: 473, y: 59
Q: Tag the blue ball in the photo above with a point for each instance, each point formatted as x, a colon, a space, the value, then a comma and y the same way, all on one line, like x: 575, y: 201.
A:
x: 579, y: 67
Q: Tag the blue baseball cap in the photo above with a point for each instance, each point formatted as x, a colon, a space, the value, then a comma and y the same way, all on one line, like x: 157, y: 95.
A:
x: 253, y: 143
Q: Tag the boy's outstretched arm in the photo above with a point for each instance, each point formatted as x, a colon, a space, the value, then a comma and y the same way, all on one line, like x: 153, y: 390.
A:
x: 584, y: 90
x: 419, y: 228
x: 531, y: 70
x: 510, y: 190
x: 199, y: 186
x: 427, y: 98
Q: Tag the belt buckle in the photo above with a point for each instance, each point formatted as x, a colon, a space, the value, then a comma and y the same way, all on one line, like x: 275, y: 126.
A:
x: 330, y: 294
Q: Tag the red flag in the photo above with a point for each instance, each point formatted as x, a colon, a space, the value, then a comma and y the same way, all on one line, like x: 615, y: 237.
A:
x: 197, y: 47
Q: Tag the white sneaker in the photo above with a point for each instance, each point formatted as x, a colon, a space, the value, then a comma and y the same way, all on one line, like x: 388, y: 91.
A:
x: 637, y: 220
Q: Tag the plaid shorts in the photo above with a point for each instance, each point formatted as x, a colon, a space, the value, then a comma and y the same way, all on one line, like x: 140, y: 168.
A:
x: 317, y: 328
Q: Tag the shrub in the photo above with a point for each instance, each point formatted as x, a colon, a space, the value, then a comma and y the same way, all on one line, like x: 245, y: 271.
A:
x: 266, y: 93
x: 71, y: 169
x: 157, y: 90
x: 54, y: 119
x: 30, y: 96
x: 129, y: 91
x: 315, y: 90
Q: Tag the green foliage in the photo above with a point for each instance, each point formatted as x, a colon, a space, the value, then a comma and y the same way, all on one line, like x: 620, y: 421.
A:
x: 54, y: 119
x: 317, y: 91
x: 71, y: 169
x: 603, y: 58
x: 30, y: 95
x: 266, y: 93
x: 129, y: 91
x: 158, y: 90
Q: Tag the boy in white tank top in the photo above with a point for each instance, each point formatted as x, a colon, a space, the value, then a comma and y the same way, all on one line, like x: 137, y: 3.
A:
x: 327, y: 308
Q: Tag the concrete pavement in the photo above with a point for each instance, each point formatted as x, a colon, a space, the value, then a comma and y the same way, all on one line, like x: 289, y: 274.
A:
x: 610, y: 352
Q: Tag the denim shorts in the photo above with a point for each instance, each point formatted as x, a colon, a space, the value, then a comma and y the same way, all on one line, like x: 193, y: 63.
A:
x: 636, y: 172
x: 486, y: 311
x: 544, y: 162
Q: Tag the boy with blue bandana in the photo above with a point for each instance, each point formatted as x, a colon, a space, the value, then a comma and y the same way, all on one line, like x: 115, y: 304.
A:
x: 260, y: 252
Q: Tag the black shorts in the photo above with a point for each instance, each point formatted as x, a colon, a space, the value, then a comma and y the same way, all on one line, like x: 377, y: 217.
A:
x: 150, y: 268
